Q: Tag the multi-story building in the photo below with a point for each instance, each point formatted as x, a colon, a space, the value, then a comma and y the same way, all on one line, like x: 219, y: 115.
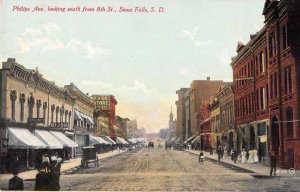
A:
x: 181, y: 120
x: 227, y: 131
x: 106, y: 107
x: 214, y: 108
x: 83, y: 116
x: 187, y: 128
x: 200, y: 91
x: 122, y: 125
x: 266, y: 78
x: 35, y: 114
x: 206, y: 139
x: 132, y: 129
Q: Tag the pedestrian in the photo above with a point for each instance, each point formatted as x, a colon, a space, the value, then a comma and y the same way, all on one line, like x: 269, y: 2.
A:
x: 273, y: 161
x: 254, y: 151
x: 235, y: 155
x: 15, y: 183
x: 55, y: 165
x: 225, y: 152
x: 42, y: 180
x: 244, y: 153
x: 45, y: 162
x: 201, y: 157
x: 219, y: 151
x: 231, y: 154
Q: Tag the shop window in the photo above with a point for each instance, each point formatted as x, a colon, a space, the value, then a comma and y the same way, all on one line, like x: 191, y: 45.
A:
x: 13, y: 97
x: 289, y: 122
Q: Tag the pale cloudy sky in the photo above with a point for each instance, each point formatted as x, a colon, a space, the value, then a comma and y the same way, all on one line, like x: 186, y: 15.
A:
x: 141, y: 58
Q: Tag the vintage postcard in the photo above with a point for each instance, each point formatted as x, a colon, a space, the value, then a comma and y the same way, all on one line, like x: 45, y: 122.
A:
x: 150, y: 95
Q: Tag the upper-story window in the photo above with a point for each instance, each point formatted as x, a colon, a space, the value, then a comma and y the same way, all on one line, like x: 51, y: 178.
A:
x: 38, y: 107
x: 272, y: 44
x: 289, y: 122
x: 287, y: 80
x: 13, y: 97
x: 262, y: 62
x: 52, y: 113
x: 61, y: 115
x: 56, y: 114
x: 31, y: 102
x: 22, y: 102
x: 284, y: 32
x: 44, y: 111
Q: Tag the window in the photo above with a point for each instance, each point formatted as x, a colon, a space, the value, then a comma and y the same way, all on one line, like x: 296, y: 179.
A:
x: 284, y: 37
x: 31, y: 103
x: 257, y: 100
x: 271, y: 86
x: 52, y: 113
x: 263, y: 98
x: 22, y: 102
x: 289, y: 122
x: 38, y: 107
x: 13, y: 97
x: 262, y: 62
x: 56, y: 114
x: 272, y: 48
x: 287, y: 80
x: 275, y: 84
x: 44, y: 111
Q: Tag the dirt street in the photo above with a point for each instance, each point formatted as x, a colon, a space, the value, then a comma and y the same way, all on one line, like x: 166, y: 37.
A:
x: 162, y: 170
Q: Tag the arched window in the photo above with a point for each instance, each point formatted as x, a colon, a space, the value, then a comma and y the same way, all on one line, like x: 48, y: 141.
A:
x: 13, y: 97
x: 56, y: 113
x: 289, y: 123
x: 66, y: 116
x: 52, y: 112
x: 62, y: 111
x: 31, y: 103
x: 38, y: 107
x: 22, y: 102
x: 44, y: 111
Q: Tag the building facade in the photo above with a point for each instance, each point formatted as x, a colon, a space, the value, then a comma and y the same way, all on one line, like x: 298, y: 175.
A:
x: 106, y: 107
x: 187, y: 128
x: 35, y: 107
x: 266, y: 78
x: 83, y: 110
x: 227, y: 130
x: 216, y: 135
x: 181, y: 119
x: 122, y: 125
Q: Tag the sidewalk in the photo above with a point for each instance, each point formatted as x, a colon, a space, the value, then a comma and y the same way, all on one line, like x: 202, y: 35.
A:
x: 257, y: 169
x: 67, y: 165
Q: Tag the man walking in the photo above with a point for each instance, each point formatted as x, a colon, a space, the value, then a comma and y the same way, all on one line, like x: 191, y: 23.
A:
x: 273, y: 161
x: 201, y: 157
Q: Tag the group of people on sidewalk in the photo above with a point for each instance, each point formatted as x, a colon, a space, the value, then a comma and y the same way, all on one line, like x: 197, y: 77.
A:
x: 47, y: 178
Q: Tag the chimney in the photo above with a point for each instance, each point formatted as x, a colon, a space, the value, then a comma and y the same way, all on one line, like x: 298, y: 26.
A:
x: 208, y: 78
x: 87, y: 94
x: 11, y: 60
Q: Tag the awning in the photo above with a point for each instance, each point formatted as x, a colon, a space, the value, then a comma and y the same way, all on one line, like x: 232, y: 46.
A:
x: 48, y: 139
x: 120, y: 140
x: 64, y: 140
x: 197, y: 139
x: 23, y: 138
x: 69, y: 133
x: 107, y: 138
x: 93, y: 140
x: 103, y: 141
x: 77, y: 116
x: 173, y: 139
x: 89, y: 120
x: 189, y: 139
x: 177, y: 140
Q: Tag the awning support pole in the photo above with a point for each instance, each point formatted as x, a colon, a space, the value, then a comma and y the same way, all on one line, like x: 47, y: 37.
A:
x: 27, y: 158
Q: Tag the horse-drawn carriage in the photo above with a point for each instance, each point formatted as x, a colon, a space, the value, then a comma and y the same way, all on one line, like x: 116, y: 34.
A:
x: 89, y: 156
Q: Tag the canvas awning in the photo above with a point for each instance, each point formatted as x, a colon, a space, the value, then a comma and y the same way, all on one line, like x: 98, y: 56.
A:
x: 48, y: 139
x: 103, y: 141
x: 189, y: 140
x: 93, y: 140
x: 107, y: 138
x: 77, y: 116
x: 197, y: 139
x: 23, y: 138
x: 177, y: 140
x: 120, y: 140
x: 89, y: 120
x: 64, y: 140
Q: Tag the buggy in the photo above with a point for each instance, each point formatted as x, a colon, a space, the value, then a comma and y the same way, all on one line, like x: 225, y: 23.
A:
x: 89, y: 156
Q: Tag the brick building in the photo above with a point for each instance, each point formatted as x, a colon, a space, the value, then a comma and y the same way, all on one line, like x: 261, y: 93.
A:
x: 106, y: 107
x: 266, y: 85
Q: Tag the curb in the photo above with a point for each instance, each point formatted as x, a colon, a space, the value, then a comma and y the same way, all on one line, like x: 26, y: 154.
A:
x: 235, y: 167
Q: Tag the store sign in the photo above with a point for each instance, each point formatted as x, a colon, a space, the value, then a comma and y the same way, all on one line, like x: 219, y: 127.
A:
x: 59, y: 125
x: 103, y: 103
x: 35, y: 120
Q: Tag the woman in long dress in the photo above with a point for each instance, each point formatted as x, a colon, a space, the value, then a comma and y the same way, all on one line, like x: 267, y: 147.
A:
x: 244, y: 153
x: 251, y: 157
x: 255, y: 155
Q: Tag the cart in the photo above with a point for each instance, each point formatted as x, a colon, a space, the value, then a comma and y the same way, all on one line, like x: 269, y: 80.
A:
x: 89, y: 156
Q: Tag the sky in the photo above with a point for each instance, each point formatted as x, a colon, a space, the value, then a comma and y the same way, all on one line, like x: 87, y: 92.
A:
x: 140, y: 58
